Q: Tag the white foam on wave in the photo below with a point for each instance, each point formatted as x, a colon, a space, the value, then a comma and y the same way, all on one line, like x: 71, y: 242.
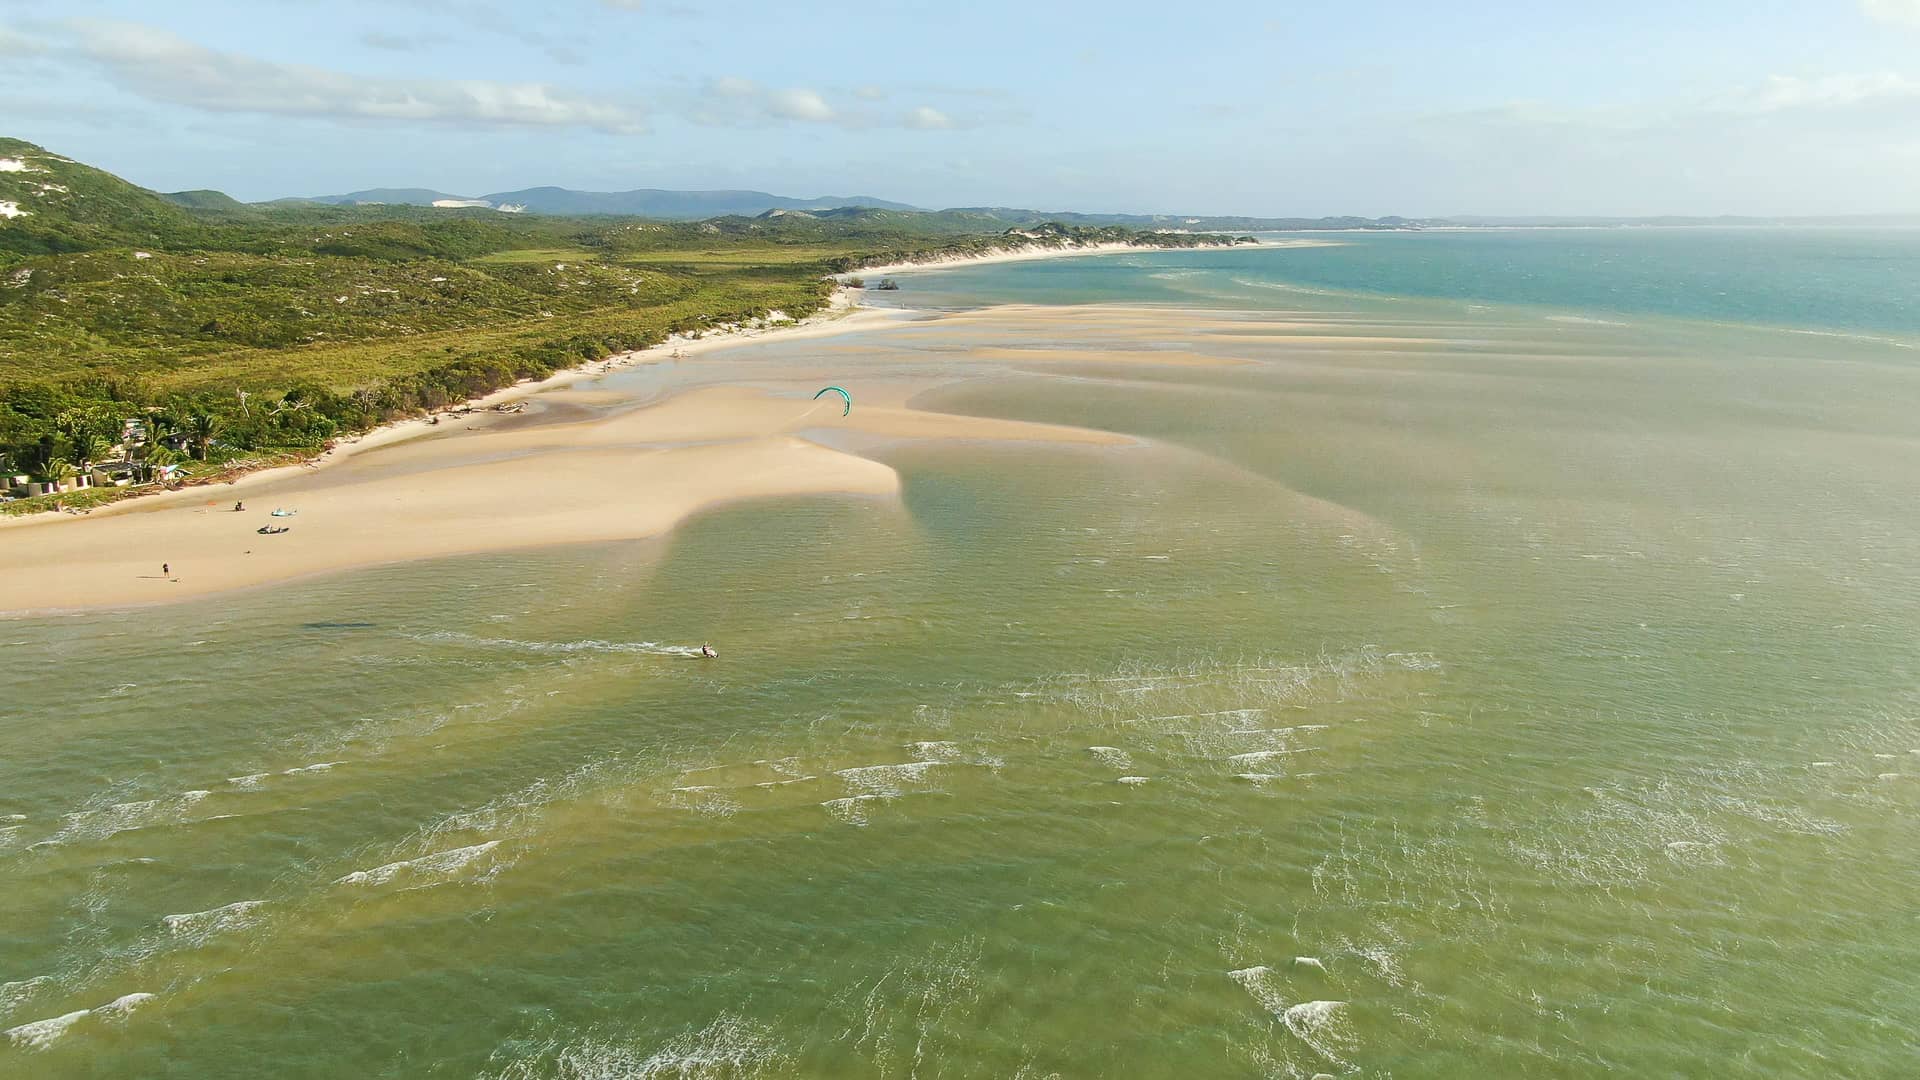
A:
x: 888, y: 780
x: 731, y: 1047
x: 316, y: 767
x: 427, y: 869
x: 703, y: 799
x: 1321, y: 1025
x: 1309, y: 962
x: 1133, y: 780
x: 13, y: 993
x: 1382, y: 959
x: 786, y: 766
x: 1258, y: 757
x: 1584, y: 320
x: 1281, y: 286
x: 852, y: 810
x: 589, y: 645
x: 250, y: 782
x: 84, y: 825
x: 200, y: 925
x: 120, y: 1007
x: 1258, y: 982
x: 43, y: 1033
x: 944, y: 752
x: 1873, y: 338
x: 1112, y: 756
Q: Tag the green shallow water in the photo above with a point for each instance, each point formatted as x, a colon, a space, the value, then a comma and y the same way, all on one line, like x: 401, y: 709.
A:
x: 1508, y: 697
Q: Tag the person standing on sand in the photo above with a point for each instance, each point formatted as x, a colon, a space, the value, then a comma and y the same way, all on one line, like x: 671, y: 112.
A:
x: 166, y: 571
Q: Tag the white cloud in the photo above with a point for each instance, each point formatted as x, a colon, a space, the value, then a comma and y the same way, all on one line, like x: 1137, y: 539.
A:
x: 800, y: 105
x: 926, y: 118
x: 1784, y: 92
x: 163, y: 67
x: 625, y: 5
x: 1899, y: 12
x: 732, y: 101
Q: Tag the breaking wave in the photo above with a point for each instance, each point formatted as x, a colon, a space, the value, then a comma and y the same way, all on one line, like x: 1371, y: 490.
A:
x: 590, y: 645
x: 427, y: 870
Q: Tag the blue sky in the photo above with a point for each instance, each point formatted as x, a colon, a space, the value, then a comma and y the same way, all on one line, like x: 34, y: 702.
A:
x: 1362, y: 107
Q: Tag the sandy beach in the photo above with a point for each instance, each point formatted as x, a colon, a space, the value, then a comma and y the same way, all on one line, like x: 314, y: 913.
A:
x: 634, y: 468
x: 628, y: 475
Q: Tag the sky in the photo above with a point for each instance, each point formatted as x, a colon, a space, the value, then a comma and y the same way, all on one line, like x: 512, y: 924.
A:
x: 1366, y: 107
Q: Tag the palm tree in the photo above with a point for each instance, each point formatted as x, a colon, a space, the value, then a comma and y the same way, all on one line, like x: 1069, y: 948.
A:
x: 160, y: 423
x: 88, y: 448
x: 201, y: 427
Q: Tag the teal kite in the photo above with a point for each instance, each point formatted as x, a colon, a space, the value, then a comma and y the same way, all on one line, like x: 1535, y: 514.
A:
x: 836, y: 390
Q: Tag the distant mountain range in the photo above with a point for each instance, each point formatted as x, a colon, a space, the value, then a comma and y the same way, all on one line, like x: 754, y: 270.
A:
x: 675, y: 205
x: 642, y: 202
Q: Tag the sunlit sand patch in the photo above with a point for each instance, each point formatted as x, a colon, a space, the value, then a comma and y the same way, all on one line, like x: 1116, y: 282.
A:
x: 1148, y: 357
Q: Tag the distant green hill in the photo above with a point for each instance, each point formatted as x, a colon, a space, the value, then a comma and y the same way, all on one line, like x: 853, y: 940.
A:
x: 205, y: 199
x: 386, y: 197
x: 277, y: 327
x: 50, y: 204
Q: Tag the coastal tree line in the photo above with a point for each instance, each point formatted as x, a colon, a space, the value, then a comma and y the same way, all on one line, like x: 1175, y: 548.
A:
x: 140, y: 331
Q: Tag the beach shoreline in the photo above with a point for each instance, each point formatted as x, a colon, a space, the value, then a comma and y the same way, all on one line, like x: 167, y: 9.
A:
x: 588, y: 470
x: 844, y: 314
x: 492, y: 487
x: 1030, y: 253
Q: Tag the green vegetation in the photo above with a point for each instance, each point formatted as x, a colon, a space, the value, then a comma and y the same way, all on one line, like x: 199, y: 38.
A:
x: 230, y: 331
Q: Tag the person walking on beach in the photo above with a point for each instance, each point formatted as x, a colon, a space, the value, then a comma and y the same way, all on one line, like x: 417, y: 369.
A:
x: 166, y: 571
